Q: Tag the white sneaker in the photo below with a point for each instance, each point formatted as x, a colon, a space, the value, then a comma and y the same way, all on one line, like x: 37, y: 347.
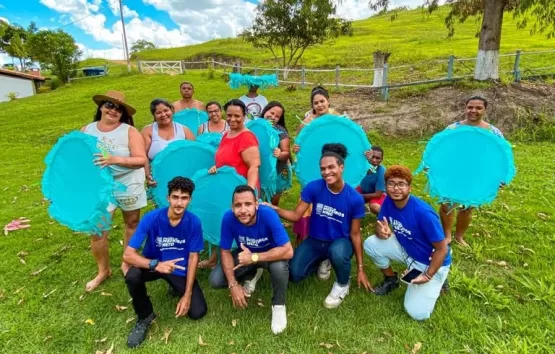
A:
x: 279, y: 319
x: 336, y: 296
x: 324, y: 270
x: 250, y: 285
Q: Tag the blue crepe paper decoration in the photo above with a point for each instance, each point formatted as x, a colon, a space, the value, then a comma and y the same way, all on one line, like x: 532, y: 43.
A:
x: 212, y: 199
x: 332, y: 129
x: 192, y: 118
x: 180, y: 158
x: 79, y: 191
x: 466, y: 166
x: 268, y: 140
x: 237, y: 80
x: 212, y: 139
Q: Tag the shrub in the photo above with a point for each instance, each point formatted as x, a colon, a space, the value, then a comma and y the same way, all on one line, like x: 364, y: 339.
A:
x: 12, y: 96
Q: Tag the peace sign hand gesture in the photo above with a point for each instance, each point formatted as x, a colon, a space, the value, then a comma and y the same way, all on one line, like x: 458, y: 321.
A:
x: 383, y: 230
x: 168, y: 267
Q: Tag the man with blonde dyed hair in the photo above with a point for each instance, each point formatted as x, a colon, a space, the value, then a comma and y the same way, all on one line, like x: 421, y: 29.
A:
x: 409, y: 231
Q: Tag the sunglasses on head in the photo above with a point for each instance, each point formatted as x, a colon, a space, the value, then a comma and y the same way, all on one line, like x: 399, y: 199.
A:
x: 111, y: 105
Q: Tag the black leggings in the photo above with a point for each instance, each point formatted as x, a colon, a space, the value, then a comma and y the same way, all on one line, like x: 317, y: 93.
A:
x: 136, y: 279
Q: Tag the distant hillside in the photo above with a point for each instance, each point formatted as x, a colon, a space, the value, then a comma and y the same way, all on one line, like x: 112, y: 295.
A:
x: 413, y: 36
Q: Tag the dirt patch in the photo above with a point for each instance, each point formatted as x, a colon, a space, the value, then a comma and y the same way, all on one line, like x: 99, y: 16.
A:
x: 433, y: 110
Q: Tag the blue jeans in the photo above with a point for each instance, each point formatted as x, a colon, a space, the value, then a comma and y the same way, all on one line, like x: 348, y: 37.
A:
x: 312, y: 251
x: 420, y: 300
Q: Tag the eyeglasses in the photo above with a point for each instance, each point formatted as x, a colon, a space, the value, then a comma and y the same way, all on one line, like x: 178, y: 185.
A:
x: 400, y: 185
x: 111, y: 105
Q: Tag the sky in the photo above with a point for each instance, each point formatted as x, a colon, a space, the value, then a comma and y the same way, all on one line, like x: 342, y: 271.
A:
x: 96, y: 24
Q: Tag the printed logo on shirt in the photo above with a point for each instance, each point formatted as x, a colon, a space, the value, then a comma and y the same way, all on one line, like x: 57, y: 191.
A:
x: 399, y: 229
x: 166, y: 243
x: 253, y: 242
x: 329, y: 212
x: 105, y: 145
x: 254, y: 109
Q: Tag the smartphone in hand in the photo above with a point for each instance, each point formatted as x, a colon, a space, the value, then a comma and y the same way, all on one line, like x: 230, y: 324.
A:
x: 412, y: 274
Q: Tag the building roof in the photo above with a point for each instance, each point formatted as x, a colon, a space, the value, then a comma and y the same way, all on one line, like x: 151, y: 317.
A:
x: 21, y: 75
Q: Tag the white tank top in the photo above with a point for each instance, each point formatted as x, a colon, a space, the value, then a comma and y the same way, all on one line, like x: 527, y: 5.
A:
x: 116, y: 142
x: 158, y: 143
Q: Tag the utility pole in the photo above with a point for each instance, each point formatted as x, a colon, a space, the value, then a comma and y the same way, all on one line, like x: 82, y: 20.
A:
x: 124, y: 38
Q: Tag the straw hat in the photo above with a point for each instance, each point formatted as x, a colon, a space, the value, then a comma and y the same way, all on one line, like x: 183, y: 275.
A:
x: 116, y: 97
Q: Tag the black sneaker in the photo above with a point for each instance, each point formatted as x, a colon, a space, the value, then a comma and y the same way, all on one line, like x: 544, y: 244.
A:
x: 389, y: 284
x: 138, y: 334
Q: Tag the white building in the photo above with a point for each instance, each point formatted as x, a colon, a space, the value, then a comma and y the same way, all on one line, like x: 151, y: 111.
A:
x: 18, y: 83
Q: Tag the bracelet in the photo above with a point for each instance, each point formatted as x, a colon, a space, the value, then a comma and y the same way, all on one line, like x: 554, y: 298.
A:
x: 360, y: 266
x: 233, y: 284
x: 427, y: 276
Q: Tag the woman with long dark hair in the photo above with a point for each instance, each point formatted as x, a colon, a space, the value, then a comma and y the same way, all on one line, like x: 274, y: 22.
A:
x: 274, y: 112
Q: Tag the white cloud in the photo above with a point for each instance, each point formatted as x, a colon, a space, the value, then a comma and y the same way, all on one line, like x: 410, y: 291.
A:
x: 94, y: 23
x: 4, y: 20
x: 112, y: 53
x: 203, y: 20
x: 114, y: 6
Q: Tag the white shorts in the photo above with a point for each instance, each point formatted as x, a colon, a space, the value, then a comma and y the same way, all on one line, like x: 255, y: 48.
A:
x: 134, y: 197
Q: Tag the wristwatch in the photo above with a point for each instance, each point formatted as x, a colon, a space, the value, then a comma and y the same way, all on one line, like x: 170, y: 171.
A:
x: 153, y: 263
x: 254, y: 257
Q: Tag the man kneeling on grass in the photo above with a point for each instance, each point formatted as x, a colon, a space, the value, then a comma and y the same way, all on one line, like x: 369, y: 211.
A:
x: 262, y: 243
x: 172, y: 239
x: 408, y: 231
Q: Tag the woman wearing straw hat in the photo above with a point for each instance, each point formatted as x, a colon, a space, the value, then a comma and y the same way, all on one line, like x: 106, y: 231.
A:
x: 123, y: 151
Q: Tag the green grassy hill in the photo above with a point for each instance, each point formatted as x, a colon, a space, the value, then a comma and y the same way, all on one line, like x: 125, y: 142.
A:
x: 502, y: 299
x: 413, y: 36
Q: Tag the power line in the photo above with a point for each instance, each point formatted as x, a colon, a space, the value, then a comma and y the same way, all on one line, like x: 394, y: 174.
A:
x: 89, y: 15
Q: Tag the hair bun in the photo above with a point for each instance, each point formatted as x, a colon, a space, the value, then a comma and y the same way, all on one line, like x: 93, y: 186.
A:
x: 336, y: 148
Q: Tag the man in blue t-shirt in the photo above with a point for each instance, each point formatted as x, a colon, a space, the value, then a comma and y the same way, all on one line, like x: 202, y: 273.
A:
x: 372, y: 186
x: 262, y: 243
x: 171, y: 238
x: 408, y: 231
x: 335, y: 225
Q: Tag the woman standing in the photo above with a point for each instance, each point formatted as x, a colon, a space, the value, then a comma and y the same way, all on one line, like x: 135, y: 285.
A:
x: 274, y: 112
x: 215, y: 123
x: 320, y: 101
x: 238, y: 149
x: 123, y: 152
x: 162, y: 132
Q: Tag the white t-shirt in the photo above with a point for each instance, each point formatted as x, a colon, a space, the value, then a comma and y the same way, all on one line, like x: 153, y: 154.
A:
x: 254, y: 105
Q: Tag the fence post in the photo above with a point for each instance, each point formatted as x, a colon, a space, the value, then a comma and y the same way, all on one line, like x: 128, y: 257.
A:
x: 105, y: 69
x: 303, y: 77
x: 255, y: 71
x: 139, y: 67
x: 337, y: 76
x: 277, y: 73
x: 516, y: 70
x: 181, y: 66
x: 212, y: 64
x: 450, y: 66
x: 385, y: 90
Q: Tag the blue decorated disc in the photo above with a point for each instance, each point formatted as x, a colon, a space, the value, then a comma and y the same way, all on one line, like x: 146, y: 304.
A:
x: 79, y: 191
x: 192, y: 118
x: 332, y: 129
x: 212, y: 199
x: 180, y: 158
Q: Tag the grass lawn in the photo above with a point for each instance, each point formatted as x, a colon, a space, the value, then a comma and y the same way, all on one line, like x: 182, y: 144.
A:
x: 502, y: 298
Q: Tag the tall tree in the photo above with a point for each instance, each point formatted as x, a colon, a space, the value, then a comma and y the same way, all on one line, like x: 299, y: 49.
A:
x: 141, y: 45
x: 55, y: 50
x: 288, y: 27
x: 18, y: 49
x: 13, y: 41
x: 542, y: 12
